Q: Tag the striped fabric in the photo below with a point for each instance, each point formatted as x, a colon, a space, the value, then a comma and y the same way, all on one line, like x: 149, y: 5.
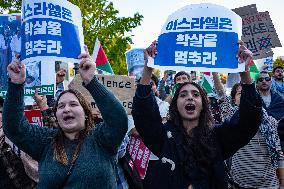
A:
x: 251, y: 165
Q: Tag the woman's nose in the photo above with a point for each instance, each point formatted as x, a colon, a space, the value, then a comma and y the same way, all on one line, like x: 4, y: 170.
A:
x: 190, y: 97
x: 66, y: 108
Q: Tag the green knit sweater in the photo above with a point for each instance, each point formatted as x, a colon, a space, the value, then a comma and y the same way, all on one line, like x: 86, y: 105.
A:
x: 95, y: 166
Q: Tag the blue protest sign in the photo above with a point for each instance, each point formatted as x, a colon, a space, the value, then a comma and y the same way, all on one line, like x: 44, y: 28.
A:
x: 135, y: 62
x: 10, y: 42
x: 199, y: 37
x: 269, y: 62
x: 52, y: 30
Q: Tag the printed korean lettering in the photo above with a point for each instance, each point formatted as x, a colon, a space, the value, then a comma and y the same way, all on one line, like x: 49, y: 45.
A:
x: 29, y: 47
x: 225, y: 23
x: 54, y: 10
x: 43, y: 89
x: 28, y: 11
x: 209, y: 58
x: 145, y: 157
x: 194, y: 57
x: 211, y: 22
x: 29, y: 28
x: 135, y: 150
x: 251, y: 45
x: 37, y: 121
x: 139, y: 154
x: 40, y: 8
x: 182, y: 39
x: 28, y: 91
x: 66, y: 14
x: 184, y: 24
x: 172, y: 25
x: 50, y: 89
x: 196, y: 41
x: 40, y: 28
x: 259, y: 28
x: 210, y: 40
x: 39, y: 46
x: 181, y: 57
x: 54, y: 28
x: 197, y: 23
x: 53, y: 47
x: 200, y: 40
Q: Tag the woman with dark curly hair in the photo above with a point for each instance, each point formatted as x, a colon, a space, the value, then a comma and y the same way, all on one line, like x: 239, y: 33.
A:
x: 190, y: 148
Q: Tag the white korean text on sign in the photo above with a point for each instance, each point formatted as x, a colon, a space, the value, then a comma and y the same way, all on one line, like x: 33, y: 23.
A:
x: 199, y: 37
x: 52, y: 30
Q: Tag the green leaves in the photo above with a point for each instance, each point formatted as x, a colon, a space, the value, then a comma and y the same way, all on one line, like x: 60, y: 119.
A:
x: 100, y: 19
x: 278, y: 62
x: 10, y: 6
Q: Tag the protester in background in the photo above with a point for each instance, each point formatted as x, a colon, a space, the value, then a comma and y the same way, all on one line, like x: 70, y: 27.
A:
x: 278, y: 80
x: 255, y: 164
x: 60, y: 76
x: 78, y: 150
x: 12, y: 172
x: 4, y: 177
x: 162, y: 86
x: 179, y: 77
x: 273, y: 102
x: 190, y: 150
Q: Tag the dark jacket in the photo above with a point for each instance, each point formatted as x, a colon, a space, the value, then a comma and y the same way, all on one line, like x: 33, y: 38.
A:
x: 165, y: 141
x: 276, y: 107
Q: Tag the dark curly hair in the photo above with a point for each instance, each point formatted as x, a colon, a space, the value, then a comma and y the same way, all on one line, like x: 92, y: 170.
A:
x: 198, y: 145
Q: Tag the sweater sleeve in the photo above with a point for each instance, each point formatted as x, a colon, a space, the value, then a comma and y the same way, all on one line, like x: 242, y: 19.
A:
x: 112, y: 131
x: 240, y: 129
x: 29, y: 138
x: 147, y: 119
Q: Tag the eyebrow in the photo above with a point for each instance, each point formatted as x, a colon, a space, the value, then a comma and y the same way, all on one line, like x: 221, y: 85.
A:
x: 68, y: 102
x: 193, y: 90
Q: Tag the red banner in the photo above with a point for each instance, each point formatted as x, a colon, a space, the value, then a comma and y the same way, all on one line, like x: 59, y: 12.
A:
x: 140, y: 155
x: 34, y: 117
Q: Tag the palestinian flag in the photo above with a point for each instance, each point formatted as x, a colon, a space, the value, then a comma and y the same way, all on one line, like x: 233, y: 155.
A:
x: 101, y: 59
x: 207, y: 82
x: 254, y: 72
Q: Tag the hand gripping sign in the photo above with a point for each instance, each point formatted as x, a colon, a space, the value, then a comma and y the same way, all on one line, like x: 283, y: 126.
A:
x: 201, y: 37
x: 51, y: 30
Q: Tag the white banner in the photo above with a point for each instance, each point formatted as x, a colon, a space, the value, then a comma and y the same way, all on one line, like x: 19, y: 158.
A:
x: 52, y: 31
x: 200, y: 37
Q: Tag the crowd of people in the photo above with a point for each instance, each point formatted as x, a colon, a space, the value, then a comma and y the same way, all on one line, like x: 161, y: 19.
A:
x: 192, y: 144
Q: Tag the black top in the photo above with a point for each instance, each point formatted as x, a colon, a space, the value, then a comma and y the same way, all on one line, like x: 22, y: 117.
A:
x: 165, y: 141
